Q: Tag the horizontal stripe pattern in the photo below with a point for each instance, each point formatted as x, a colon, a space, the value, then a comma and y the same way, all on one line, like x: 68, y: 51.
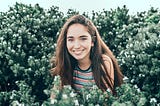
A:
x: 83, y: 81
x: 83, y: 75
x: 83, y: 78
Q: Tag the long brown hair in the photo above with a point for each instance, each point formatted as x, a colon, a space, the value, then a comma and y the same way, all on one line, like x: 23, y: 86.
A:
x: 65, y: 63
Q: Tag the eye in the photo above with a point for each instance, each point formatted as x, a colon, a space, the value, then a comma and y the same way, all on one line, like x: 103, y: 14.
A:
x: 70, y: 39
x: 83, y: 38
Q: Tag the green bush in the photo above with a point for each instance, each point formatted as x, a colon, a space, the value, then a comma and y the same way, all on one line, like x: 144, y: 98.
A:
x: 27, y: 37
x: 27, y: 41
x: 141, y: 60
x: 109, y: 24
x: 126, y: 95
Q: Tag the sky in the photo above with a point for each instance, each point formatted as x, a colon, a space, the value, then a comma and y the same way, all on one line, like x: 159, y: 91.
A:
x: 88, y: 6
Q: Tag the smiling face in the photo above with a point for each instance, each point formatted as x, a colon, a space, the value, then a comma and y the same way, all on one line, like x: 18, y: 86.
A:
x: 79, y: 42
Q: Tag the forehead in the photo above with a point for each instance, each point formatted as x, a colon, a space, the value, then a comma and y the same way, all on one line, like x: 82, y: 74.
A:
x: 77, y: 30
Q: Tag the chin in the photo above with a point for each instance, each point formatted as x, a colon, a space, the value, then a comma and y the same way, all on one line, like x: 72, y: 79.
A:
x: 78, y: 58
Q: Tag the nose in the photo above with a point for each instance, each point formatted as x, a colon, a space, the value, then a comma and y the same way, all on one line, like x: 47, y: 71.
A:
x: 76, y: 44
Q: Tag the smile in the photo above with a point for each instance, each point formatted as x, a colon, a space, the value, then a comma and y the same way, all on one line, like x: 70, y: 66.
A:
x: 78, y: 52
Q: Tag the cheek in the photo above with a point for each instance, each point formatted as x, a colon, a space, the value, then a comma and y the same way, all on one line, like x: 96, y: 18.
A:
x: 87, y: 45
x: 69, y: 46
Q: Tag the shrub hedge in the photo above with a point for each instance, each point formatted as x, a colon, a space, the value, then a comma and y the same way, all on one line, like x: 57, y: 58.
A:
x: 28, y: 38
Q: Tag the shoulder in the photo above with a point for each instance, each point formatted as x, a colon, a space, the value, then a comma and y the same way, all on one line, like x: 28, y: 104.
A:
x: 108, y: 64
x: 106, y: 58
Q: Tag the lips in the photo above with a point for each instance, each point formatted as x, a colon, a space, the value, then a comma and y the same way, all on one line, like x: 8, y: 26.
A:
x: 78, y: 52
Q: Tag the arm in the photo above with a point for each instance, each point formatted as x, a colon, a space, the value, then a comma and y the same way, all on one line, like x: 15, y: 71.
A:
x: 109, y: 66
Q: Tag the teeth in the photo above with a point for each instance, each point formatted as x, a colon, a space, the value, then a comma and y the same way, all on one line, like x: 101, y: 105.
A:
x: 77, y: 52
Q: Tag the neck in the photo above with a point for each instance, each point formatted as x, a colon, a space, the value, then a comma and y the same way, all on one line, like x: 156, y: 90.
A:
x: 84, y: 64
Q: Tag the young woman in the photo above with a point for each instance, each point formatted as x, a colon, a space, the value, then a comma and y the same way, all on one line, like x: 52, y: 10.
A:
x: 82, y: 59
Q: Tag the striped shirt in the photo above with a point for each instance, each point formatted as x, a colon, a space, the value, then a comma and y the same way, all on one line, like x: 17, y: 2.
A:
x: 83, y: 78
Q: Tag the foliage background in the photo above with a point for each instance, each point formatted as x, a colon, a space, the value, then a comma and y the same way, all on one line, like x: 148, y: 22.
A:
x: 27, y: 41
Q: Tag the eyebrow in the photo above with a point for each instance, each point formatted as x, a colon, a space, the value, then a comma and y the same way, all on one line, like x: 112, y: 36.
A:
x: 70, y: 36
x: 82, y: 36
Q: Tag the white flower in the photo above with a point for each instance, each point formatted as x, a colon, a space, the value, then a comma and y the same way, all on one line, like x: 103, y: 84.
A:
x: 72, y: 94
x: 4, y: 42
x: 15, y: 35
x: 53, y: 101
x: 132, y: 80
x: 1, y: 38
x: 13, y: 51
x: 19, y: 31
x: 138, y: 90
x: 9, y: 48
x: 68, y: 87
x: 153, y: 100
x: 133, y: 56
x: 16, y: 103
x: 125, y: 78
x: 108, y: 90
x: 141, y: 75
x: 64, y: 96
x: 94, y: 87
x: 18, y: 46
x: 56, y: 78
x: 12, y: 96
x: 88, y: 96
x: 49, y: 28
x: 135, y: 86
x: 76, y: 103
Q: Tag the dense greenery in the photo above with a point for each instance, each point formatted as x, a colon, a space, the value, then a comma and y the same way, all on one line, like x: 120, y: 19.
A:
x: 27, y: 41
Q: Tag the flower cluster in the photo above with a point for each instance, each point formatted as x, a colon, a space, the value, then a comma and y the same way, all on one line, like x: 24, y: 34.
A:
x: 126, y: 95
